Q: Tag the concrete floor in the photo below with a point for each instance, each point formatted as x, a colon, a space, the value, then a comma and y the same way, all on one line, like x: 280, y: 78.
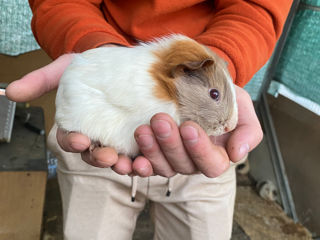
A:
x: 298, y: 132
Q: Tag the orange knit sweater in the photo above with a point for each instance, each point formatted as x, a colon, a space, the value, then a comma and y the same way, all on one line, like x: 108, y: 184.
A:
x: 244, y: 33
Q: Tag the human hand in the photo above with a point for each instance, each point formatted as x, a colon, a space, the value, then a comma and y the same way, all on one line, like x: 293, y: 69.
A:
x: 168, y: 149
x: 46, y: 79
x: 38, y: 82
x: 169, y: 155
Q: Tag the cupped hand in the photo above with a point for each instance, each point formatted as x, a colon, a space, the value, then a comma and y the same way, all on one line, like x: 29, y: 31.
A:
x: 102, y: 157
x: 168, y: 149
x: 46, y: 79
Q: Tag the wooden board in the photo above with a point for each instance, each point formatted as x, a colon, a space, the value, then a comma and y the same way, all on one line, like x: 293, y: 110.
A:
x: 21, y: 204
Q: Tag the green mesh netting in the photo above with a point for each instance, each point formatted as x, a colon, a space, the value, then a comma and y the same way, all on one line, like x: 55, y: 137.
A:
x: 299, y: 65
x: 15, y: 32
x: 254, y: 86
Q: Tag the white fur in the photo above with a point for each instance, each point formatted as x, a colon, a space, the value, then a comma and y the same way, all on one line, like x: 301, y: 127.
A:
x: 232, y: 123
x: 106, y: 93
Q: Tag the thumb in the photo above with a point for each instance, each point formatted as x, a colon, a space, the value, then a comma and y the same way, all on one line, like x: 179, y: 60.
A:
x: 38, y: 82
x: 248, y: 133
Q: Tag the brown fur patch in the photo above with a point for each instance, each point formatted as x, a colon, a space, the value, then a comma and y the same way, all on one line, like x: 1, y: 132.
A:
x: 179, y: 52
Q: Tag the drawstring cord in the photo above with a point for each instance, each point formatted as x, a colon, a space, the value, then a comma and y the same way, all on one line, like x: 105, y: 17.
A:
x: 134, y: 185
x: 169, y: 187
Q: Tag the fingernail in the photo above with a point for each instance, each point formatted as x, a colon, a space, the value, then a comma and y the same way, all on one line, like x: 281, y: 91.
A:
x: 244, y: 149
x: 162, y: 128
x: 189, y: 134
x: 145, y: 141
x: 144, y: 171
x: 78, y: 146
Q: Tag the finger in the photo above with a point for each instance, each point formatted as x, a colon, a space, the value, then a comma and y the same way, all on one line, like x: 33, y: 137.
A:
x: 168, y: 137
x: 38, y: 82
x: 248, y: 133
x: 242, y: 141
x: 87, y: 157
x: 142, y: 167
x: 104, y: 157
x: 151, y: 151
x: 72, y: 141
x: 212, y: 160
x: 123, y: 166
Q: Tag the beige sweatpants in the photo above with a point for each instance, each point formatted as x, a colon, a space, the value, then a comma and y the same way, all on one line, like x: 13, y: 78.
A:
x: 97, y: 202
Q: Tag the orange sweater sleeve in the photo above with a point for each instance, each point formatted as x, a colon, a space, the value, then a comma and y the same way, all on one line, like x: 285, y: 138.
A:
x: 244, y: 33
x: 65, y: 26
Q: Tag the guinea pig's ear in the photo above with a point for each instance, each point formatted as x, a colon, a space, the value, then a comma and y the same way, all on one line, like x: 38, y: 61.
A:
x: 189, y: 67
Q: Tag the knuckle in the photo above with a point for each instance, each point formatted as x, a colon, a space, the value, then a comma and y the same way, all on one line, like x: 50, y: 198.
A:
x: 170, y: 148
x: 151, y: 153
x: 197, y: 156
x: 185, y: 167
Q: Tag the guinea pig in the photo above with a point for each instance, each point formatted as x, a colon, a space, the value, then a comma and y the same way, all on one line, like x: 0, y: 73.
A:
x: 106, y: 93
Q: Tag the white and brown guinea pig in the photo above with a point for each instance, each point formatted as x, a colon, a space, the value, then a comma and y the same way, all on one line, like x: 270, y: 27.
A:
x: 106, y: 93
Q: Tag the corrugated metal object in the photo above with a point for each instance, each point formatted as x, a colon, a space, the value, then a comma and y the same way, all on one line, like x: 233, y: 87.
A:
x: 7, y: 111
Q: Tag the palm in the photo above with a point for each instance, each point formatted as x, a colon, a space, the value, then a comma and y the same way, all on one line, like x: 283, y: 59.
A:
x: 167, y: 157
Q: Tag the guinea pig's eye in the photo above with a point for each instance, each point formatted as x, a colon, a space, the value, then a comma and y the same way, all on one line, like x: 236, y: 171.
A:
x: 188, y: 71
x: 214, y: 94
